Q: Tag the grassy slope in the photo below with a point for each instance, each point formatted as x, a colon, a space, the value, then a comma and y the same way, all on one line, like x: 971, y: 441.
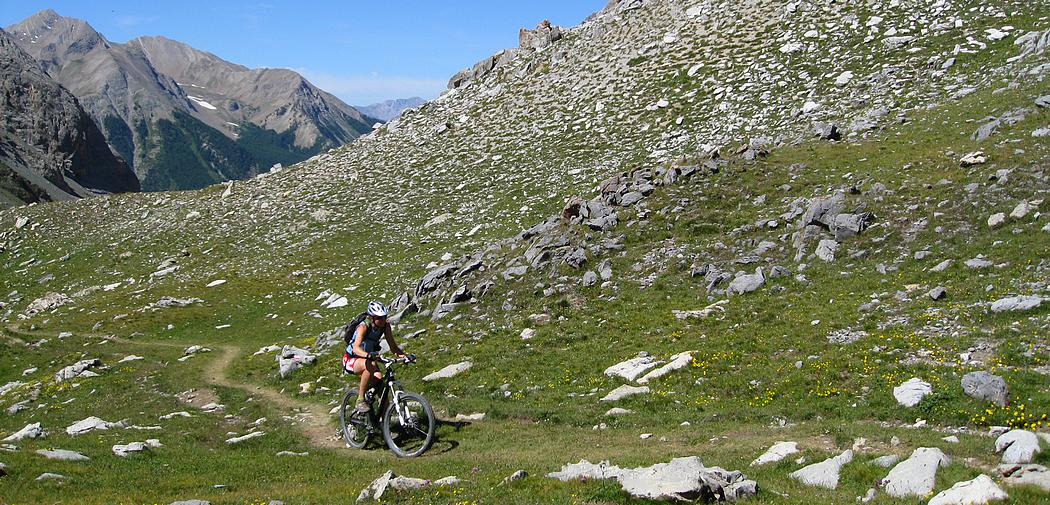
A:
x: 274, y: 267
x: 761, y: 337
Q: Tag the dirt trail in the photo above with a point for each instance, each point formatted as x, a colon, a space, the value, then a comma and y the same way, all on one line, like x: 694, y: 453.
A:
x: 314, y: 420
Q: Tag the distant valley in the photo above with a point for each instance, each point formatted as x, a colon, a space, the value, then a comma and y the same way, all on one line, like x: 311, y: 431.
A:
x: 390, y: 109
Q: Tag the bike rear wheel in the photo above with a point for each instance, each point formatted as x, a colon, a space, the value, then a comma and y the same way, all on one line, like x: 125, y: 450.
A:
x: 411, y: 435
x: 354, y: 426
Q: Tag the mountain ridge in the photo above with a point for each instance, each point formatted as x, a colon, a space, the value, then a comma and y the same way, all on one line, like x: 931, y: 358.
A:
x: 390, y: 109
x: 150, y: 119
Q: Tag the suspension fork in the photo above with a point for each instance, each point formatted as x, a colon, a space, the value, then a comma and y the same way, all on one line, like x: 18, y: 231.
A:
x: 396, y: 393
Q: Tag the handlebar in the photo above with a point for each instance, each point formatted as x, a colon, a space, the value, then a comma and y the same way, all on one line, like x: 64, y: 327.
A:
x: 411, y: 358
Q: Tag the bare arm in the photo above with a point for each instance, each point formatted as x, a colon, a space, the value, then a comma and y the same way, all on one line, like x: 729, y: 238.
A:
x: 390, y: 341
x: 359, y: 336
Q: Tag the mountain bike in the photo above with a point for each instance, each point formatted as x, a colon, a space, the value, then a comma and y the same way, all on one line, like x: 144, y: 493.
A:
x: 406, y: 419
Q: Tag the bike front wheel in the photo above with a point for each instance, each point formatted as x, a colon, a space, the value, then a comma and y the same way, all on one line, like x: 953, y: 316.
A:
x: 354, y: 426
x: 410, y: 432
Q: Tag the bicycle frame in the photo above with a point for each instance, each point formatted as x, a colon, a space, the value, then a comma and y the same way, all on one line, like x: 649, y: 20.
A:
x: 389, y: 389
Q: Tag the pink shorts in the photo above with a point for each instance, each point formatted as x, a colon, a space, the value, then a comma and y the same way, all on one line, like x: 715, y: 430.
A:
x: 349, y: 362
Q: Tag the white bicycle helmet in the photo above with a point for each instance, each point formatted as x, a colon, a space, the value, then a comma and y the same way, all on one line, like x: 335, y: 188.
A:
x: 377, y: 309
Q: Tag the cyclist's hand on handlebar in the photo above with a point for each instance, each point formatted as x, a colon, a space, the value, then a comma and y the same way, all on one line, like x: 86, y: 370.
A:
x: 373, y: 355
x: 411, y: 358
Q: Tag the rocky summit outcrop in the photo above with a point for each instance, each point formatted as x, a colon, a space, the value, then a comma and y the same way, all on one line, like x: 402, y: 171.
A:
x: 184, y: 118
x: 50, y: 148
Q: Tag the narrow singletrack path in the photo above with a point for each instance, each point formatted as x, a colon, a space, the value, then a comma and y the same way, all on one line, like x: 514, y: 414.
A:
x: 313, y: 419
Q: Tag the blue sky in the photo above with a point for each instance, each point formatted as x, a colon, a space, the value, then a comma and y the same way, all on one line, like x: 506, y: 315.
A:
x: 362, y: 51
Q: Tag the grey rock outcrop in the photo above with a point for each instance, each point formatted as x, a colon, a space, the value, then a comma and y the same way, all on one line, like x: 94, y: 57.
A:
x: 1017, y: 303
x: 748, y: 282
x: 53, y: 150
x: 291, y: 358
x: 986, y: 386
x: 540, y: 37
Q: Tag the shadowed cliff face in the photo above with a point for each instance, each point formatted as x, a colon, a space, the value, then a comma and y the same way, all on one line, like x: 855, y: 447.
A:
x: 161, y: 103
x: 49, y: 145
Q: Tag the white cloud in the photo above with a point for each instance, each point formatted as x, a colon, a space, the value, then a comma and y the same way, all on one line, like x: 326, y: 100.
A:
x: 369, y: 89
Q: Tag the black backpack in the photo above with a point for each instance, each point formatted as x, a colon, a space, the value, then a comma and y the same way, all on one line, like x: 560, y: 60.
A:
x: 351, y: 327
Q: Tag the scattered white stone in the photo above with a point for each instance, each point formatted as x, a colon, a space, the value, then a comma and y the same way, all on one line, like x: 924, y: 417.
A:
x: 1026, y: 475
x: 217, y: 282
x: 90, y: 424
x: 10, y: 386
x: 886, y: 461
x: 469, y: 418
x: 1017, y: 303
x: 844, y: 78
x: 1018, y: 446
x: 50, y: 476
x: 237, y: 440
x: 623, y: 392
x: 30, y: 431
x: 677, y: 362
x: 77, y: 369
x: 172, y: 415
x: 528, y: 333
x: 996, y: 219
x: 631, y: 369
x: 777, y: 452
x: 1022, y: 209
x: 213, y: 407
x: 290, y: 453
x: 978, y: 491
x: 974, y: 158
x: 62, y: 455
x: 682, y: 479
x: 267, y: 350
x: 125, y: 450
x: 618, y: 411
x: 912, y: 391
x: 824, y: 474
x: 132, y: 357
x: 449, y: 371
x: 916, y: 475
x: 391, y: 481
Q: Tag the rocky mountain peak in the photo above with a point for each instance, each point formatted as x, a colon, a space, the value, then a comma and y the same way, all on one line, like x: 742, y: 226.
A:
x: 50, y: 37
